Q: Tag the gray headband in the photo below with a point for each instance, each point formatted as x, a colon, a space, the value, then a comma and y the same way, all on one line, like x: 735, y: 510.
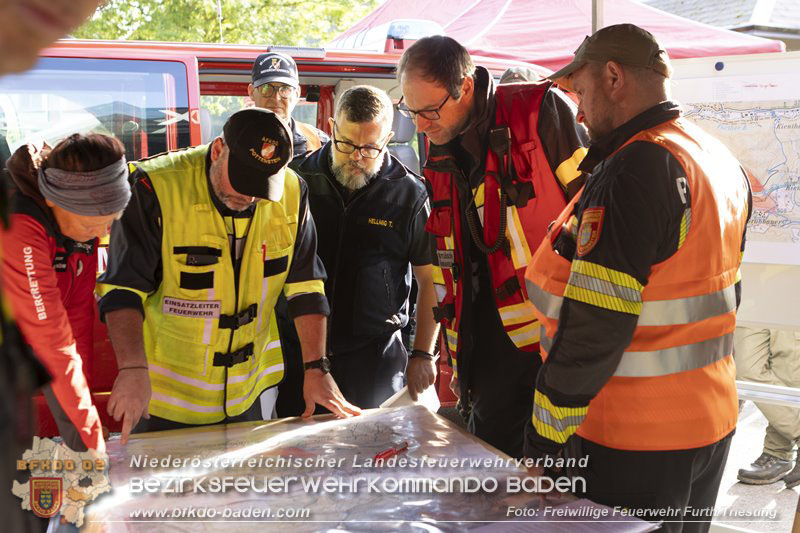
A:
x: 96, y: 193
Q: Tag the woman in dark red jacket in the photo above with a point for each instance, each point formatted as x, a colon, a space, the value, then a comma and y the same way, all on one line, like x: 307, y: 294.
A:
x: 66, y: 200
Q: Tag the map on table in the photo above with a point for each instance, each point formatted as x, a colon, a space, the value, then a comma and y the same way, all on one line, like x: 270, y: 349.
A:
x: 441, y: 479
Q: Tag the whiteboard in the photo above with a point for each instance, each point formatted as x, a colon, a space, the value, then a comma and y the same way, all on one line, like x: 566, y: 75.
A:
x: 752, y: 104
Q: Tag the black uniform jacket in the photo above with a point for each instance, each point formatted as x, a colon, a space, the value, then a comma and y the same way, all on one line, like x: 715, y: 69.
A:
x: 367, y: 241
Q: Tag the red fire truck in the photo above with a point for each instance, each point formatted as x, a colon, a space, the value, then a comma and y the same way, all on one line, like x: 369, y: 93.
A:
x: 162, y: 96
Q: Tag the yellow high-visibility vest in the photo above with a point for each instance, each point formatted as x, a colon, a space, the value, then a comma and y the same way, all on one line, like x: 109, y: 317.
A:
x: 212, y: 350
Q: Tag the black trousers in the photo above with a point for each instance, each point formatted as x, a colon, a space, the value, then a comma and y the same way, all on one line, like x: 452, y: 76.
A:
x: 500, y: 378
x: 370, y: 375
x: 366, y: 376
x: 20, y: 376
x: 290, y: 391
x: 682, y: 483
x: 501, y: 393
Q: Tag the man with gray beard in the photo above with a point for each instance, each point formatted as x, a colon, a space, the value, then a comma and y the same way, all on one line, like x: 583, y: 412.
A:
x: 370, y: 211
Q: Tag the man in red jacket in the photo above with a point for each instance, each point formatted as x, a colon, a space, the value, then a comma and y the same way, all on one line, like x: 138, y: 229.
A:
x: 502, y: 164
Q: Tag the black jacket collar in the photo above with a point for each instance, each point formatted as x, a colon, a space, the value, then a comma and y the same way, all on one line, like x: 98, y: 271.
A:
x: 610, y: 143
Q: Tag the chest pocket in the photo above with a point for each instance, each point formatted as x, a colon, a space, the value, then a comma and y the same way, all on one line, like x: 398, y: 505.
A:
x: 191, y: 309
x: 196, y: 268
x: 281, y: 234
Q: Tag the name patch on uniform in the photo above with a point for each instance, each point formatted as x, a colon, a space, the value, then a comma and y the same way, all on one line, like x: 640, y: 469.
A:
x: 380, y: 222
x: 589, y: 232
x: 191, y: 308
x: 446, y: 258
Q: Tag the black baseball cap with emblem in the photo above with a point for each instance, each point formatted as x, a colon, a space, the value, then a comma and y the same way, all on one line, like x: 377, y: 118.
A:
x: 275, y: 67
x: 260, y: 147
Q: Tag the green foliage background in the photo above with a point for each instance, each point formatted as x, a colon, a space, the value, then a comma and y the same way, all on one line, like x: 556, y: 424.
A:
x: 286, y: 22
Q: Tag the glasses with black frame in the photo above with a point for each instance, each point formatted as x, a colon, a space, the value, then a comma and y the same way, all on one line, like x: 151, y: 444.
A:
x: 367, y: 152
x: 268, y: 89
x: 427, y: 114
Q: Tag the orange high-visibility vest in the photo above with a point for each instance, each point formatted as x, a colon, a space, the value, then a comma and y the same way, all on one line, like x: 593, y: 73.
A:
x: 517, y: 106
x: 674, y: 387
x: 311, y: 134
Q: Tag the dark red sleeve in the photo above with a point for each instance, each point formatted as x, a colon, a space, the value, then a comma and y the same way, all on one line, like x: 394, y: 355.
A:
x: 32, y: 289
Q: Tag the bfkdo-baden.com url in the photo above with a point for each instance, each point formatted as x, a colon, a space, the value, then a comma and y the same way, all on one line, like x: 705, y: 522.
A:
x: 225, y: 513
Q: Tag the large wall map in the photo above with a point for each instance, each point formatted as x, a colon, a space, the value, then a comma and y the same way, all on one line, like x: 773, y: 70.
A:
x: 765, y: 136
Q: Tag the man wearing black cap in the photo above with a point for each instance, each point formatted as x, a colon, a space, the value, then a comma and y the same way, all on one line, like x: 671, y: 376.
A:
x: 636, y: 286
x: 276, y: 87
x: 211, y: 237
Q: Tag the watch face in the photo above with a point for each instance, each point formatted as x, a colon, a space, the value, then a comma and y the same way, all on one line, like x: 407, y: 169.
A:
x: 325, y: 364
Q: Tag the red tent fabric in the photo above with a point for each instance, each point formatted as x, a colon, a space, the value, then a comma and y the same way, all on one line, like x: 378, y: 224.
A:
x: 547, y: 32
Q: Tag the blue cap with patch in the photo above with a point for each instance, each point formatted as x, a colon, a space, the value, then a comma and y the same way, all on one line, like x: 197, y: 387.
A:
x: 275, y: 67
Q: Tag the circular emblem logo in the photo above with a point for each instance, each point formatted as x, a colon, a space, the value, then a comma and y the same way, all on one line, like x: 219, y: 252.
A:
x: 267, y: 150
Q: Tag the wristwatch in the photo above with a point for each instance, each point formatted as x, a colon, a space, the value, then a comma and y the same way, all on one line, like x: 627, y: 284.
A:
x: 323, y: 363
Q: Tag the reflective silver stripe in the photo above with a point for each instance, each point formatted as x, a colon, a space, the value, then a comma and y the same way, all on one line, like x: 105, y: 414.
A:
x: 208, y: 323
x: 522, y: 336
x: 576, y: 279
x: 688, y: 310
x: 547, y: 304
x: 196, y: 408
x: 545, y: 342
x: 169, y: 374
x: 269, y: 370
x: 518, y: 250
x: 674, y: 360
x: 654, y: 312
x: 560, y: 424
x: 452, y: 337
x: 441, y: 292
x: 245, y: 377
x: 516, y: 312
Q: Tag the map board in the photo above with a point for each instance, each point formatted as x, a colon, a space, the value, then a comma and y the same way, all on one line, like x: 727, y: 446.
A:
x: 245, y: 476
x: 752, y: 104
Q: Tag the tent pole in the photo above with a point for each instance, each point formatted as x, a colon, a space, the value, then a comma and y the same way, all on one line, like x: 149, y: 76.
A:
x: 597, y: 15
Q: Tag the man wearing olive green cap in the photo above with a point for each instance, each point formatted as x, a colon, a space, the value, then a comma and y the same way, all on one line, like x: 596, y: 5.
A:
x: 637, y: 287
x: 625, y: 44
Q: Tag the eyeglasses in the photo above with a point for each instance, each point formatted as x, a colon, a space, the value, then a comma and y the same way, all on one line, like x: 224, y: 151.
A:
x: 367, y: 152
x: 428, y: 114
x: 269, y: 89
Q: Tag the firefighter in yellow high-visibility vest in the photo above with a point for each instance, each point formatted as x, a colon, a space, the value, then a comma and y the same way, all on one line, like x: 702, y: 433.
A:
x: 211, y: 237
